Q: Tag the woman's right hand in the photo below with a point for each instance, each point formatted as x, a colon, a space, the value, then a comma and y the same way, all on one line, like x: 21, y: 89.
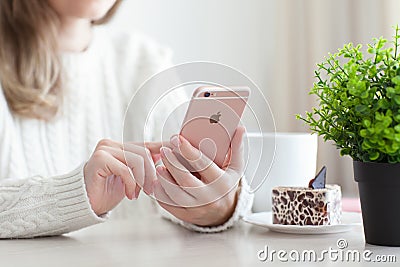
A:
x: 108, y: 174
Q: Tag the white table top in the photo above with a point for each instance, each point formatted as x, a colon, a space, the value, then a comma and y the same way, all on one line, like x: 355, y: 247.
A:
x: 151, y: 241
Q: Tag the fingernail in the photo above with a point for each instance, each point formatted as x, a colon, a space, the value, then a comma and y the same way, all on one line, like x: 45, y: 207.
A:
x: 158, y: 163
x: 159, y: 169
x: 182, y: 139
x: 175, y: 141
x: 137, y: 195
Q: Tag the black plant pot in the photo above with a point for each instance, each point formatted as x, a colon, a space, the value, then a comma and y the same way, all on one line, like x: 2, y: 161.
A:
x: 379, y: 188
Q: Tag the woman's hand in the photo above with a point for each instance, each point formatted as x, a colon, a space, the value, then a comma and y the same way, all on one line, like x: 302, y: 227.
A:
x: 205, y: 198
x: 116, y: 170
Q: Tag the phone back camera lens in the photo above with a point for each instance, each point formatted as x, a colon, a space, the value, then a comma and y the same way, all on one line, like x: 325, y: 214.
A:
x: 207, y: 94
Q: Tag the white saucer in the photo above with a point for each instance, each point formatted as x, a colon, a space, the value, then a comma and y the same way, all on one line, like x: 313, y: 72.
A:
x: 264, y: 219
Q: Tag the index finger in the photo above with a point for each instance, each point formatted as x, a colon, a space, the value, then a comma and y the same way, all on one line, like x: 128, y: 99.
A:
x: 208, y: 170
x: 154, y: 147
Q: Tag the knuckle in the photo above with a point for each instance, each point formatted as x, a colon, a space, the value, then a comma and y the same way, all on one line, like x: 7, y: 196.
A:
x: 102, y: 147
x: 100, y: 155
x: 137, y: 160
x: 129, y: 146
x: 104, y: 142
x: 133, y: 160
x: 141, y: 160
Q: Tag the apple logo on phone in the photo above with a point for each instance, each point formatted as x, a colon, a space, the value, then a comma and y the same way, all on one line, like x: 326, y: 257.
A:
x: 215, y: 117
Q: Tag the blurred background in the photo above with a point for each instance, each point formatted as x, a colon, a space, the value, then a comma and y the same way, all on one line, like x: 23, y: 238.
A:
x: 277, y: 43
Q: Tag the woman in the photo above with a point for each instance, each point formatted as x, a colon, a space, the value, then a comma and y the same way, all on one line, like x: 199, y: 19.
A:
x: 64, y: 89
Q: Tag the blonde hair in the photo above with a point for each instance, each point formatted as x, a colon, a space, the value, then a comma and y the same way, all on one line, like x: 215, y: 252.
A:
x: 30, y: 65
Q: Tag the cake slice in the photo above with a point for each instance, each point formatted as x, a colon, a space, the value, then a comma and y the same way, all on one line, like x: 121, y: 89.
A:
x: 307, y: 206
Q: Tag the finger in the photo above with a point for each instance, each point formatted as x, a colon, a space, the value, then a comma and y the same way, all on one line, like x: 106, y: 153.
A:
x: 160, y: 195
x: 133, y: 161
x: 137, y: 192
x: 150, y: 171
x: 207, y: 169
x: 156, y: 158
x: 173, y: 190
x: 203, y: 193
x: 132, y: 153
x: 154, y: 147
x: 108, y: 143
x: 163, y: 172
x: 187, y: 182
x: 180, y: 174
x: 227, y: 160
x: 112, y: 166
x: 114, y: 188
x: 236, y: 157
x: 144, y: 150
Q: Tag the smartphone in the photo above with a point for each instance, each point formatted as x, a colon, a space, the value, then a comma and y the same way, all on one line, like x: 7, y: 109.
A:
x: 212, y: 118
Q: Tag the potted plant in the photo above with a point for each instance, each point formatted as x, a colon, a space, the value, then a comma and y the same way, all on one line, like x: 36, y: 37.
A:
x: 359, y: 110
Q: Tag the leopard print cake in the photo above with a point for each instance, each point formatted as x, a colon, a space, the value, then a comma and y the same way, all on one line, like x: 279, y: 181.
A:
x: 307, y: 206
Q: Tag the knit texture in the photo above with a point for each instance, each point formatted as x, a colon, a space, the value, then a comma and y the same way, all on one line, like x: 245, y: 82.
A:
x: 39, y: 206
x: 42, y: 190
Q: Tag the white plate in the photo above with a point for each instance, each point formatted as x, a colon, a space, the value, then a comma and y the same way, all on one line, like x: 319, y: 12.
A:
x: 264, y: 219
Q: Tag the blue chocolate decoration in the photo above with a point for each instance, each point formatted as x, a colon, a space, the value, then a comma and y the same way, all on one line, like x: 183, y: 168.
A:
x: 320, y: 180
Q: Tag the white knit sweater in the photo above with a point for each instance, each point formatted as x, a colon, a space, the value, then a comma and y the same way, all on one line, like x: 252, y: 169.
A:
x: 42, y: 190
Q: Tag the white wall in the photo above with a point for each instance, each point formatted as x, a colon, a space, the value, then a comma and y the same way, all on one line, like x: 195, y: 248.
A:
x: 233, y: 32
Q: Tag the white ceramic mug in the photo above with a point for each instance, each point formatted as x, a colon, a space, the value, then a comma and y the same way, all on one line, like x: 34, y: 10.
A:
x: 293, y: 163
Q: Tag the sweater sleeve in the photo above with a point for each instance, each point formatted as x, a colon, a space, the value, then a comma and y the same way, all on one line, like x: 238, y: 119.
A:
x: 38, y: 205
x: 45, y: 206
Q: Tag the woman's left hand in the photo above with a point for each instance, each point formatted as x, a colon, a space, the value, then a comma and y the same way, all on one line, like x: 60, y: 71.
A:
x: 207, y: 199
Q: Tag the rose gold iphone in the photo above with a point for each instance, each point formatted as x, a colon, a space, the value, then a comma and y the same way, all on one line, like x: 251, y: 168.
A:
x: 212, y: 118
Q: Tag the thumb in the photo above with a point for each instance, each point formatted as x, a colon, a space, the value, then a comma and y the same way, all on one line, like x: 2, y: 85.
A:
x: 237, y: 160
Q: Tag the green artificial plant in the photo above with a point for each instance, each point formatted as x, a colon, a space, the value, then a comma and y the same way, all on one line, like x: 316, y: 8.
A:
x: 359, y: 101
